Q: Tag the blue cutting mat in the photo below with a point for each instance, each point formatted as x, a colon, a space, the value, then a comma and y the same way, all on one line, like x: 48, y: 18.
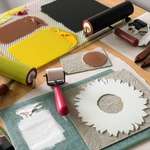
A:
x: 11, y: 120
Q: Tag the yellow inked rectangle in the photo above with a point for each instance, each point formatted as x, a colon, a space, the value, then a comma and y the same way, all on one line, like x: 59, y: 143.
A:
x: 43, y: 46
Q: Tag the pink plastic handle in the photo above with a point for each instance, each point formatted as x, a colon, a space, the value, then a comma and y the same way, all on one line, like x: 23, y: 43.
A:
x: 60, y: 101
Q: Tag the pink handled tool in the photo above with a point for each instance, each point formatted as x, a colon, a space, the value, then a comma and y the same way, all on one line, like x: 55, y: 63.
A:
x: 60, y: 101
x: 55, y: 78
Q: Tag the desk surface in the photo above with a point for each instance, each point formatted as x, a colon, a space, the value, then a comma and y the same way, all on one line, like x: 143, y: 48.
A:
x: 21, y: 90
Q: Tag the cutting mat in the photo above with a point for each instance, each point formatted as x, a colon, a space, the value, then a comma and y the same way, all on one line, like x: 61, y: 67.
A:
x: 9, y: 116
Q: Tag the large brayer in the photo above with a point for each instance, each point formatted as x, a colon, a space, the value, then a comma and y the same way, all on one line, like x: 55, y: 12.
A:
x: 16, y: 71
x: 55, y: 78
x: 107, y: 18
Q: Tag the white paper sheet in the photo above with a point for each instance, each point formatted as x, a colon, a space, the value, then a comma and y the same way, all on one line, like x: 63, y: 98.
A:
x: 39, y: 129
x: 121, y: 46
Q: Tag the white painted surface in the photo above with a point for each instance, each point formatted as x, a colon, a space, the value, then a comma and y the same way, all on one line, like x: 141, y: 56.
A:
x: 102, y: 121
x: 39, y: 129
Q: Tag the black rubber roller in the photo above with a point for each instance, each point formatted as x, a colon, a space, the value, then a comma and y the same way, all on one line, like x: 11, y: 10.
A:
x: 107, y: 18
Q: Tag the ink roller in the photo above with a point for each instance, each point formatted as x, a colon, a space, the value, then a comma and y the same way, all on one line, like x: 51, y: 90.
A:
x: 16, y: 71
x: 55, y: 77
x: 107, y: 18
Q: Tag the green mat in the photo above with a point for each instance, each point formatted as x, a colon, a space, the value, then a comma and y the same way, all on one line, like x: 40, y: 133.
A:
x: 73, y: 140
x: 131, y: 141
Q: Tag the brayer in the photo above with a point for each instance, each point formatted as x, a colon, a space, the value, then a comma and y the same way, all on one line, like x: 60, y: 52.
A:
x: 55, y: 77
x: 16, y: 71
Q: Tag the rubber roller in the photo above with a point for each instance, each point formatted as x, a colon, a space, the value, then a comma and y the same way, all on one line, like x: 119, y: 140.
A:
x: 107, y: 18
x: 5, y: 144
x: 16, y: 71
x: 55, y: 77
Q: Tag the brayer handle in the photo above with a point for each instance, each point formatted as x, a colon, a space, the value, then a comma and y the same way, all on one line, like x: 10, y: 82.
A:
x: 60, y: 101
x: 127, y: 37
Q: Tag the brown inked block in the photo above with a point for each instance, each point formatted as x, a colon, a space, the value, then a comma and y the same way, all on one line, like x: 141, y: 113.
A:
x: 85, y: 61
x: 19, y: 28
x: 95, y: 59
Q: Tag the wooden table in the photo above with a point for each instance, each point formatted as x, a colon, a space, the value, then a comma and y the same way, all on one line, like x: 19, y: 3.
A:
x: 19, y: 90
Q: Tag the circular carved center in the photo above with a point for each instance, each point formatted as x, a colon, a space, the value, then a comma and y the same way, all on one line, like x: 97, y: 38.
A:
x: 110, y: 103
x: 95, y: 59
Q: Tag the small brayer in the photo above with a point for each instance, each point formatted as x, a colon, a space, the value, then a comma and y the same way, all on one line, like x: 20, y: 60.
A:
x: 55, y: 77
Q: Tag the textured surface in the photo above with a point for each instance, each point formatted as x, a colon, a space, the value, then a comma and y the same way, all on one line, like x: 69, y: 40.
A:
x: 90, y: 135
x: 78, y: 65
x: 102, y: 121
x: 17, y: 133
x: 71, y: 12
x: 95, y: 59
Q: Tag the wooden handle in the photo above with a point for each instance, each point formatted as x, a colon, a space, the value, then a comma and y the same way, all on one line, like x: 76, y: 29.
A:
x: 143, y: 54
x: 127, y: 37
x: 146, y: 62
